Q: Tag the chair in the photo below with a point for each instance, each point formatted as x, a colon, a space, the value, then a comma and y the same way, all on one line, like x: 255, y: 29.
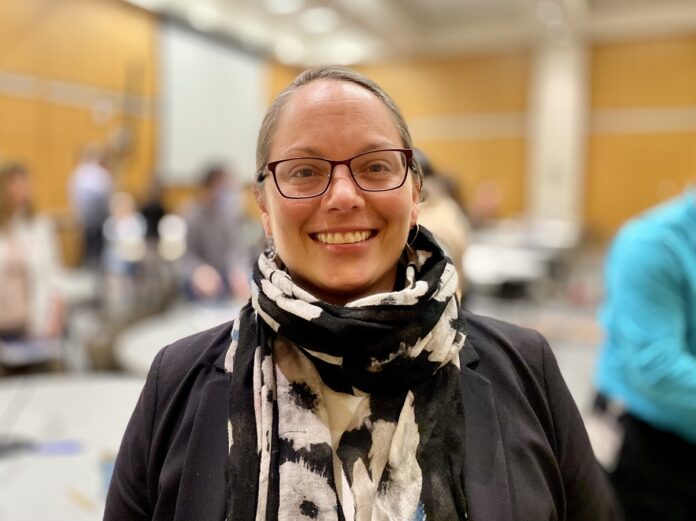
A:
x: 26, y: 355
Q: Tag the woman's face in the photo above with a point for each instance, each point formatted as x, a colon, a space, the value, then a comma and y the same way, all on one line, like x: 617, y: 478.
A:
x: 344, y: 244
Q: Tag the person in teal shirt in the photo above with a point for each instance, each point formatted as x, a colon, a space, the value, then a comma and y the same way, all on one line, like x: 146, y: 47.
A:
x: 648, y: 360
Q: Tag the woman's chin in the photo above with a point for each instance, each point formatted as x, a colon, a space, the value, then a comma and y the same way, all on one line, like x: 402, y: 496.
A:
x: 347, y: 289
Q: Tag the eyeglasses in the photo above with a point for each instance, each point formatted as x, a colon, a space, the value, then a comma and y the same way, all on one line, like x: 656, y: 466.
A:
x: 304, y: 177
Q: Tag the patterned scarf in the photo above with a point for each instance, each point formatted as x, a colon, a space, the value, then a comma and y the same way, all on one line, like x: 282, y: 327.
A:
x: 402, y: 452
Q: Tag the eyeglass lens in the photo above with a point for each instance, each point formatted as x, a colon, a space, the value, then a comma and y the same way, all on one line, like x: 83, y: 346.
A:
x: 374, y: 171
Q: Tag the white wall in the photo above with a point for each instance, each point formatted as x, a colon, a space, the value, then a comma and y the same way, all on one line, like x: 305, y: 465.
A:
x: 212, y: 100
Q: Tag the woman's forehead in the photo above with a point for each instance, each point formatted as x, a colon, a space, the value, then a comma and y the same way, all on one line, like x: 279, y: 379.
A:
x: 327, y: 97
x: 330, y: 89
x: 332, y: 106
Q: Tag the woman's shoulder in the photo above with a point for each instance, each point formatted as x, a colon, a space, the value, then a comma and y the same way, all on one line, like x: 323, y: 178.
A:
x: 521, y: 371
x: 197, y: 354
x: 488, y: 332
x: 500, y: 347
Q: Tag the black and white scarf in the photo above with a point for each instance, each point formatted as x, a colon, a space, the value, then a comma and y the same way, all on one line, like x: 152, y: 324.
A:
x: 402, y: 453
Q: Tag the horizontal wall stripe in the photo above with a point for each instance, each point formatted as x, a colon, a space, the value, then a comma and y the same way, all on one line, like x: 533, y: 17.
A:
x: 75, y: 95
x: 92, y: 98
x: 490, y: 125
x: 469, y: 126
x: 653, y: 120
x: 18, y: 85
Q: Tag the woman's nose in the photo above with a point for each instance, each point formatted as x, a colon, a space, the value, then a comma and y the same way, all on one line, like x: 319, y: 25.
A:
x: 343, y: 194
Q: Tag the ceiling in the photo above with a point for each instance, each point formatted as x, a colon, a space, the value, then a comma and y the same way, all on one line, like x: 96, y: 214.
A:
x: 310, y: 32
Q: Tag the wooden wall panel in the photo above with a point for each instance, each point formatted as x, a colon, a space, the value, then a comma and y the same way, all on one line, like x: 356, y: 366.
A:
x: 630, y: 170
x: 77, y: 59
x: 278, y: 77
x: 630, y: 173
x: 471, y: 162
x: 67, y: 129
x: 102, y: 43
x: 18, y: 19
x: 19, y: 130
x: 644, y: 73
x: 490, y: 83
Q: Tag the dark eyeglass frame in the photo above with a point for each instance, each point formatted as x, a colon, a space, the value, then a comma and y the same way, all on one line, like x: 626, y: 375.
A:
x: 271, y: 167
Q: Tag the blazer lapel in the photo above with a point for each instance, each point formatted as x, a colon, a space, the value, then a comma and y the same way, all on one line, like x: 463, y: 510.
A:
x: 485, y: 464
x: 203, y: 487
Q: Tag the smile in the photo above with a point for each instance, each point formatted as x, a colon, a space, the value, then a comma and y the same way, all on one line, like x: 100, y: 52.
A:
x: 343, y: 238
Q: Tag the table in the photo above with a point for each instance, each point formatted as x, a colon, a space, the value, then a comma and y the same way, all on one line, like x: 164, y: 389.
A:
x: 551, y: 235
x: 519, y: 251
x: 490, y: 266
x: 136, y: 347
x: 75, y: 425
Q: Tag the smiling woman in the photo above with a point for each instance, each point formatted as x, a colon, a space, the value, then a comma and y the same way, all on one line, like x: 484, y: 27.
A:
x: 353, y: 386
x: 315, y: 236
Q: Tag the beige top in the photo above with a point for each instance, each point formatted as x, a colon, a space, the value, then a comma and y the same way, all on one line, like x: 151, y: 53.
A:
x: 440, y: 214
x: 32, y: 243
x: 341, y: 408
x: 14, y: 287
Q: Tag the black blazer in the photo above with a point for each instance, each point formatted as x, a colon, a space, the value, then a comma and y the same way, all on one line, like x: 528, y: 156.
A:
x: 528, y: 457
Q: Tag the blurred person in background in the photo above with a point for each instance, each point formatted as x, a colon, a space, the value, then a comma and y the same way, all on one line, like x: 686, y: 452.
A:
x: 485, y: 203
x: 125, y: 248
x: 647, y: 365
x: 90, y: 189
x: 153, y: 209
x: 124, y: 232
x: 442, y: 215
x: 352, y: 385
x: 31, y: 306
x: 217, y: 258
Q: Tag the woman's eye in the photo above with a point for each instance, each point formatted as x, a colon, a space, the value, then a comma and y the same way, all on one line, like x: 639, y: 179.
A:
x: 377, y: 168
x: 303, y: 172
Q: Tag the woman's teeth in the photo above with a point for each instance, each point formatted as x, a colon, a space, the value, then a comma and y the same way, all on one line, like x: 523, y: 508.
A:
x: 343, y: 238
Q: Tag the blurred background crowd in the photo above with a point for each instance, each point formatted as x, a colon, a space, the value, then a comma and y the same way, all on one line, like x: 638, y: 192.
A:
x: 127, y: 219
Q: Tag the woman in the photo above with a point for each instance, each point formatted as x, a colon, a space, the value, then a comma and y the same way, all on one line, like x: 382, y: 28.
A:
x: 352, y: 386
x: 30, y: 303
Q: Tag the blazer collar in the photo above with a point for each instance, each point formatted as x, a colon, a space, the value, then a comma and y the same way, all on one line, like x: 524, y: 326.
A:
x: 220, y: 361
x: 225, y: 340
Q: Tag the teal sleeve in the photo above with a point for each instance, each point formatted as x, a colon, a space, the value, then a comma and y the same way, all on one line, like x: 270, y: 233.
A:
x: 648, y: 322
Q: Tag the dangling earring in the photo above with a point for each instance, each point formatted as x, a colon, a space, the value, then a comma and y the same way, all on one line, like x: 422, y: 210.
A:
x: 271, y: 252
x: 409, y: 243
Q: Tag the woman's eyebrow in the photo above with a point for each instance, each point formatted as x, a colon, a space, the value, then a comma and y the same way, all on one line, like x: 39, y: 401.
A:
x: 313, y: 152
x: 303, y: 151
x: 378, y: 145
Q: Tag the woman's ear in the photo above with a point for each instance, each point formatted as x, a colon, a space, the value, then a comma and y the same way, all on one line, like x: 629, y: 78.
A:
x: 260, y: 198
x: 415, y: 206
x: 266, y: 222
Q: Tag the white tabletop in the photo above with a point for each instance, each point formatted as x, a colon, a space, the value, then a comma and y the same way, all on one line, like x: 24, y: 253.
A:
x: 490, y: 265
x: 517, y: 250
x: 136, y: 347
x: 552, y: 235
x: 76, y: 424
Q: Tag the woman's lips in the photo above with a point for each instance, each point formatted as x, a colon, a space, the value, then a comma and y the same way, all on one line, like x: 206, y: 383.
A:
x: 349, y: 237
